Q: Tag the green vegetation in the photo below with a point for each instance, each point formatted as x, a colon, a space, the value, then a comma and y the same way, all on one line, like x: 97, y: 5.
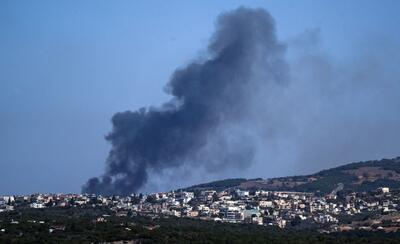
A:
x: 219, y: 184
x: 81, y: 225
x: 326, y: 182
x: 328, y: 179
x: 322, y: 182
x: 387, y: 164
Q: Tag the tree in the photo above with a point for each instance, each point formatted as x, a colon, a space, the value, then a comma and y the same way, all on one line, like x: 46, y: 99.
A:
x: 215, y: 197
x: 49, y: 203
x: 295, y: 221
x: 151, y: 199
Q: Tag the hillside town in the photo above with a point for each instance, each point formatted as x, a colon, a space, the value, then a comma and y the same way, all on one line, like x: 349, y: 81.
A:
x: 375, y: 210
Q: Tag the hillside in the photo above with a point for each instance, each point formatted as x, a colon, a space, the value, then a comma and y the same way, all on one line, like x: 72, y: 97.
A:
x: 359, y: 176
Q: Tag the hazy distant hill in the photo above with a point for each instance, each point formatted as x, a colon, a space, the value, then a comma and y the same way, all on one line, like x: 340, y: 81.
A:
x: 360, y: 176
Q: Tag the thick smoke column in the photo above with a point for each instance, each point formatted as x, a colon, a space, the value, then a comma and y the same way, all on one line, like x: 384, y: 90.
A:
x: 201, y: 125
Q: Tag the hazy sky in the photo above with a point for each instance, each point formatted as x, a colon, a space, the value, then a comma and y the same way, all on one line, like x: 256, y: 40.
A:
x: 67, y: 66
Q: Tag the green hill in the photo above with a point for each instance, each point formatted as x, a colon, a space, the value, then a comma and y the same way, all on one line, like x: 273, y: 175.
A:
x: 359, y: 176
x: 220, y: 185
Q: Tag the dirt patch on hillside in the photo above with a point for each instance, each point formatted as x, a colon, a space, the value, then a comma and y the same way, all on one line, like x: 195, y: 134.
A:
x: 271, y: 184
x: 373, y: 173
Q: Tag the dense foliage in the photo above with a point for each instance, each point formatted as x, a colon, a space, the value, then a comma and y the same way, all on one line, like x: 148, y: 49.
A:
x: 81, y: 226
x: 219, y: 184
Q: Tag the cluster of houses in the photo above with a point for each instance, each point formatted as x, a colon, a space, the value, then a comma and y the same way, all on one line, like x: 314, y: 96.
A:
x: 276, y: 208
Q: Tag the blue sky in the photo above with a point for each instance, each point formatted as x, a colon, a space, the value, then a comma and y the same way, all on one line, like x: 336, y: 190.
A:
x: 67, y: 66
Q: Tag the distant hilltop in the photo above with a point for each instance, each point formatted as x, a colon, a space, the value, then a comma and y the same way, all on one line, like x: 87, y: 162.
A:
x: 358, y: 177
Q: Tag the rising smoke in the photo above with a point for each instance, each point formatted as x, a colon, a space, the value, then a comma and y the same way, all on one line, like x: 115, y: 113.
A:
x: 236, y: 109
x: 206, y: 124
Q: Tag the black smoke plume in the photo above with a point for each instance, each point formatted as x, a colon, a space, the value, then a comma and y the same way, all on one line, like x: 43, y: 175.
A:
x: 203, y: 125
